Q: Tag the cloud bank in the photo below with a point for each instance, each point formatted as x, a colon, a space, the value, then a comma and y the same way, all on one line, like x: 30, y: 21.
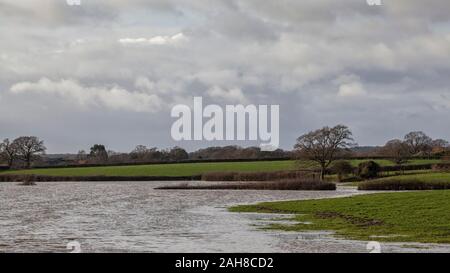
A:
x: 111, y: 70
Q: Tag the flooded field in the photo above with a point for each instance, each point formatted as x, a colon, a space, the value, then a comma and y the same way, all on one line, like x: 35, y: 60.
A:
x: 133, y: 217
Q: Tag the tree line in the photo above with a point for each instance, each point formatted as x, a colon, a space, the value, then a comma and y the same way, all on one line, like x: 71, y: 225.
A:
x: 323, y: 146
x: 140, y: 154
x: 326, y: 145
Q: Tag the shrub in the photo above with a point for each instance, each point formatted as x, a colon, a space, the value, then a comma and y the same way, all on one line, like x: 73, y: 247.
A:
x: 219, y: 176
x: 402, y: 185
x: 368, y: 170
x: 342, y: 168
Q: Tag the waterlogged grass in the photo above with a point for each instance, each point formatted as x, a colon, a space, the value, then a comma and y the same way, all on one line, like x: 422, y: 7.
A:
x: 395, y: 217
x: 186, y: 169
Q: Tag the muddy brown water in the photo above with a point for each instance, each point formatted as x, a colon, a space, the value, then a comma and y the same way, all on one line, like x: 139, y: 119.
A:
x: 133, y: 217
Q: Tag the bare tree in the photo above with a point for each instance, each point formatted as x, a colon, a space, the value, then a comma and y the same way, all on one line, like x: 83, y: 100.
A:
x: 9, y: 151
x: 418, y: 142
x: 398, y: 151
x: 28, y: 148
x: 440, y: 145
x: 140, y: 152
x: 324, y: 145
x: 81, y: 156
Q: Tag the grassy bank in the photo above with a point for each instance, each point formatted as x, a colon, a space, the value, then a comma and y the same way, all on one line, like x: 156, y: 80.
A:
x: 187, y: 169
x: 418, y: 181
x: 400, y: 217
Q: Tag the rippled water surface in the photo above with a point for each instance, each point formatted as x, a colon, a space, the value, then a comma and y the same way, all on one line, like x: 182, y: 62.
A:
x: 133, y: 217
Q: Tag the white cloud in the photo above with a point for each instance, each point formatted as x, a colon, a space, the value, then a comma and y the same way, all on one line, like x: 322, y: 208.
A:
x: 232, y: 95
x: 157, y: 40
x: 114, y: 98
x: 353, y: 89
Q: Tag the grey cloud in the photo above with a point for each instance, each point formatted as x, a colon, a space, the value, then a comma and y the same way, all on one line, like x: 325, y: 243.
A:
x: 381, y: 70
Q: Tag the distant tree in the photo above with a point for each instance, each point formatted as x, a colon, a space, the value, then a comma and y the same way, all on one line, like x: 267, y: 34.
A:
x: 324, y: 145
x: 177, y: 153
x: 81, y: 155
x: 440, y: 143
x: 439, y: 146
x: 29, y: 147
x: 9, y: 151
x: 140, y: 149
x: 141, y: 152
x: 342, y: 168
x: 418, y: 142
x: 398, y: 151
x: 98, y: 153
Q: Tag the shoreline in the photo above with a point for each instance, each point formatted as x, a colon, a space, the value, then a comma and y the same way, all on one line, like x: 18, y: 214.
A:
x: 95, y: 178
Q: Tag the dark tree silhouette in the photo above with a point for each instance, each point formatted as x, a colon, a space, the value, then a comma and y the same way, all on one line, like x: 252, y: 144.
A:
x: 98, y: 153
x: 324, y: 145
x: 418, y: 142
x: 28, y: 147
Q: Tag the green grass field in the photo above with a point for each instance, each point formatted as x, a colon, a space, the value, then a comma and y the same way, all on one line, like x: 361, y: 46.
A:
x: 423, y: 177
x: 401, y: 217
x: 186, y: 169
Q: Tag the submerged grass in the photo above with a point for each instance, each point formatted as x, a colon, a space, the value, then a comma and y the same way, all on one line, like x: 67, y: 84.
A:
x: 396, y: 217
x: 293, y: 185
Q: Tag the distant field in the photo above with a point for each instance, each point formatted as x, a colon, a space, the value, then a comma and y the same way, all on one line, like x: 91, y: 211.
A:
x: 186, y: 169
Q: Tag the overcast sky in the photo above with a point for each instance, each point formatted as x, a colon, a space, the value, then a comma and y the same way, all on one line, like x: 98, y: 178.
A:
x: 109, y: 71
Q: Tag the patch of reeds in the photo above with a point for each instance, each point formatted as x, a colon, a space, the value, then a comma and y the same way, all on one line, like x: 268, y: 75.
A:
x: 293, y: 184
x: 259, y: 176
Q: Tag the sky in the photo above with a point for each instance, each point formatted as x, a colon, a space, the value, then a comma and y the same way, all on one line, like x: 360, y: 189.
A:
x: 109, y: 71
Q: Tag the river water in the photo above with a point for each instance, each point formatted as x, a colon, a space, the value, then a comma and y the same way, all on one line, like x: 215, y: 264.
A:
x: 133, y: 217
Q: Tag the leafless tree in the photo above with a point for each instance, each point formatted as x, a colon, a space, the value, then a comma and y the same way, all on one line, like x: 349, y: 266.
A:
x: 324, y: 145
x: 140, y: 153
x: 9, y: 151
x: 418, y: 142
x: 398, y: 151
x: 81, y: 156
x: 440, y: 145
x: 28, y: 148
